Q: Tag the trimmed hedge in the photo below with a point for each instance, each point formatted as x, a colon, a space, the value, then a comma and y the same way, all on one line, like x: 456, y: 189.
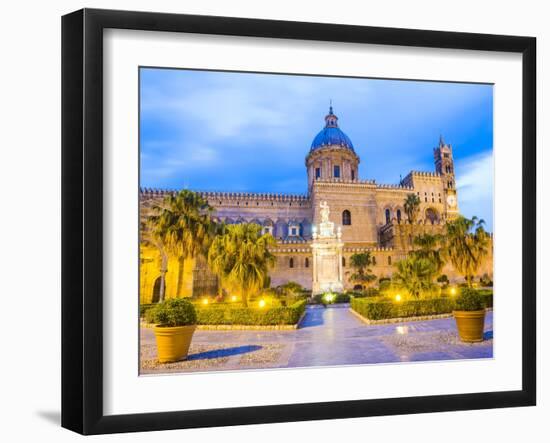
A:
x: 384, y: 308
x: 338, y: 298
x: 230, y: 315
x: 381, y: 308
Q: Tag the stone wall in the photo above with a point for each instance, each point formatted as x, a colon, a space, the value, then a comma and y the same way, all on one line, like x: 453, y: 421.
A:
x: 359, y: 198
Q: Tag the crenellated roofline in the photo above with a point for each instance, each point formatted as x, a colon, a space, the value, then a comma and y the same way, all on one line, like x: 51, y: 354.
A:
x: 348, y: 249
x: 267, y: 196
x: 364, y: 183
x: 422, y: 174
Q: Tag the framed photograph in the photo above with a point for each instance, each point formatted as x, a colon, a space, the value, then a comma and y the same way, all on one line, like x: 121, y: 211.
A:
x: 269, y: 221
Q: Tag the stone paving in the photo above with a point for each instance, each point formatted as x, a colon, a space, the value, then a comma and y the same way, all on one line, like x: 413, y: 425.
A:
x: 326, y: 337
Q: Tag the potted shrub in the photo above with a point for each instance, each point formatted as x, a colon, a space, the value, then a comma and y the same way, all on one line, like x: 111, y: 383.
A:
x: 175, y: 322
x: 469, y: 313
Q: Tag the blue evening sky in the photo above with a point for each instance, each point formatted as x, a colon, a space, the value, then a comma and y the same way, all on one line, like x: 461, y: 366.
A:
x: 220, y: 131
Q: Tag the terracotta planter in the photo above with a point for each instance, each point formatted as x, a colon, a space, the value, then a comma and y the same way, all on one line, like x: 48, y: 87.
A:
x: 173, y: 342
x: 470, y: 325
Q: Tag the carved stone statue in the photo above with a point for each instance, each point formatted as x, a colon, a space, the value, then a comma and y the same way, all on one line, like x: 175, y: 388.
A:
x: 325, y: 211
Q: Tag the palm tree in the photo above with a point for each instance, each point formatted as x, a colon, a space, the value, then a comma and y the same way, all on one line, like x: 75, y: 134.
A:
x: 431, y: 248
x: 182, y: 224
x: 415, y: 275
x: 467, y: 245
x: 361, y: 262
x: 241, y: 257
x: 412, y: 205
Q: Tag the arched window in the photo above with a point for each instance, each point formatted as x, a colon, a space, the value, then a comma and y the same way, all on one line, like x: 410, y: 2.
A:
x: 346, y: 218
x: 388, y: 215
x: 306, y: 262
x: 399, y: 216
x: 291, y: 263
x: 431, y: 215
x: 343, y: 261
x: 389, y: 260
x: 373, y: 260
x: 353, y: 174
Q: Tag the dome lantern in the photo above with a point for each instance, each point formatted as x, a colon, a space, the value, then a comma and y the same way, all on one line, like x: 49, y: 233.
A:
x: 331, y: 134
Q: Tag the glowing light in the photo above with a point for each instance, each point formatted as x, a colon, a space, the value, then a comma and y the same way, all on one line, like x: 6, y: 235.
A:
x: 261, y: 303
x: 453, y: 291
x: 402, y: 330
x: 233, y: 298
x: 204, y: 301
x: 398, y: 297
x: 329, y: 297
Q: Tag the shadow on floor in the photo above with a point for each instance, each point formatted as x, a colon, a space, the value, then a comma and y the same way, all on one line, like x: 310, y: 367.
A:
x: 227, y: 352
x: 314, y: 317
x: 487, y: 335
x: 54, y: 417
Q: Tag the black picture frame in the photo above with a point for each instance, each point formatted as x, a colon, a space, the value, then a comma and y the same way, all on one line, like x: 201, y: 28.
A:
x: 82, y: 218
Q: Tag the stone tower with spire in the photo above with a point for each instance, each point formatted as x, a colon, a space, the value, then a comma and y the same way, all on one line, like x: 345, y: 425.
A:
x: 444, y: 165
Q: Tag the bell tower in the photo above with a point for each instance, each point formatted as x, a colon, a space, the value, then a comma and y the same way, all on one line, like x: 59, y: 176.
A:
x: 444, y: 166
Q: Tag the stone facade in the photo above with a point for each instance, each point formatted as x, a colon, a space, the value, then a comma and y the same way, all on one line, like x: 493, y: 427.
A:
x: 371, y: 217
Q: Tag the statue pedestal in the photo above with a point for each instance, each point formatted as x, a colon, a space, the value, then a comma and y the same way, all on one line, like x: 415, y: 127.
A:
x: 327, y: 250
x: 327, y: 265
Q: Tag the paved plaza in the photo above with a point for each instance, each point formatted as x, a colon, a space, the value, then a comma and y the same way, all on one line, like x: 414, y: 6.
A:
x: 326, y: 337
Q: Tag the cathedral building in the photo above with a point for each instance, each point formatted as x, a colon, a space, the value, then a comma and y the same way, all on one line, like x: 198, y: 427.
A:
x: 371, y: 217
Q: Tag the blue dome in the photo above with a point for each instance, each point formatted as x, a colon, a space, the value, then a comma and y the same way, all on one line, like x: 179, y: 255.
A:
x: 331, y: 134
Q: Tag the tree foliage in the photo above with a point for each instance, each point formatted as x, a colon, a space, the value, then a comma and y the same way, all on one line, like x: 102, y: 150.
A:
x: 182, y: 225
x: 415, y: 275
x: 360, y: 262
x: 430, y: 247
x: 467, y: 244
x: 241, y: 257
x: 183, y: 222
x: 412, y: 206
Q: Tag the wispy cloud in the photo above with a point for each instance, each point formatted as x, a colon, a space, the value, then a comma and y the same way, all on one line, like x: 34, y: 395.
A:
x: 475, y: 186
